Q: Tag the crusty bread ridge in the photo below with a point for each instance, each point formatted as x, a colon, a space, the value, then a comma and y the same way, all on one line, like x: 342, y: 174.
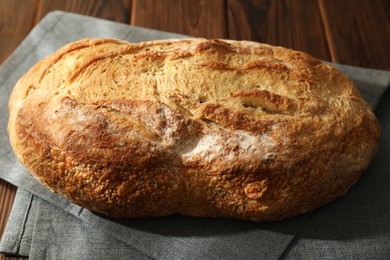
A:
x: 198, y: 127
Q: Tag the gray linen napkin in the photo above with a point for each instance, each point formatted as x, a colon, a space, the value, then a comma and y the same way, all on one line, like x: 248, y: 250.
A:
x: 44, y: 225
x: 40, y: 230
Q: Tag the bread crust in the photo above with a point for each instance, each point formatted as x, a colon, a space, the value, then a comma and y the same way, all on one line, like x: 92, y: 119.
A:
x: 199, y: 127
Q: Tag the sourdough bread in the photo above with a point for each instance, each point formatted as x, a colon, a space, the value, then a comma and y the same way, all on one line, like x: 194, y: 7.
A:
x: 199, y: 127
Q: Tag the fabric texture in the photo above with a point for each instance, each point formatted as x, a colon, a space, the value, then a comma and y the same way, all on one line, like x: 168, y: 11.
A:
x: 45, y: 225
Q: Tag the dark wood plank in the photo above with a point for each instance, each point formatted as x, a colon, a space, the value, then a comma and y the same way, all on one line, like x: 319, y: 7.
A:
x: 16, y: 21
x: 294, y: 24
x: 3, y: 257
x: 196, y: 18
x: 358, y: 31
x: 7, y: 195
x: 115, y: 10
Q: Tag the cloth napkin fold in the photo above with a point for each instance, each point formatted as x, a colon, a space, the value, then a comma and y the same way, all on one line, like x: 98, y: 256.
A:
x: 45, y: 225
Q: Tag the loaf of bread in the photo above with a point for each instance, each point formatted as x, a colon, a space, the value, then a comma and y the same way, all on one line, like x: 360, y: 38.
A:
x: 198, y: 127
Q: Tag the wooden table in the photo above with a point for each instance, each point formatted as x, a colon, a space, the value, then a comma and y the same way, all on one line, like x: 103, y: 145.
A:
x: 354, y: 32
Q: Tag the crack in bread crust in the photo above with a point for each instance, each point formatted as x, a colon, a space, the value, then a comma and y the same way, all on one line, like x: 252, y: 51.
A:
x: 198, y: 127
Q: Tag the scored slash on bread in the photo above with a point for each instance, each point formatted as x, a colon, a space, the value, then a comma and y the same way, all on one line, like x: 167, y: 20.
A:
x: 199, y: 127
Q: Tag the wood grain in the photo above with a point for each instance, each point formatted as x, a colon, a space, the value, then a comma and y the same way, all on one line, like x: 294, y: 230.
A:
x: 4, y: 257
x: 14, y: 25
x: 115, y: 10
x: 294, y: 24
x: 358, y: 32
x: 199, y: 18
x: 7, y: 195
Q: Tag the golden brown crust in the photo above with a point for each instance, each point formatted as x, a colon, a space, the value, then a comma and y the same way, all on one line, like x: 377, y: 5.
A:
x: 197, y: 127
